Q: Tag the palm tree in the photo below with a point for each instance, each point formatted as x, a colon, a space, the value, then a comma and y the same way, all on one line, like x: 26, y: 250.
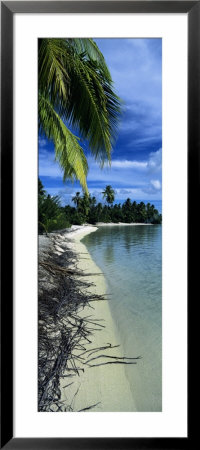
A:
x: 76, y: 199
x: 109, y: 194
x: 92, y: 201
x: 142, y: 213
x: 84, y: 206
x: 127, y: 210
x: 75, y: 91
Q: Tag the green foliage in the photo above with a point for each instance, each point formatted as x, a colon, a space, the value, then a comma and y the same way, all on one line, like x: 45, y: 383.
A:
x: 87, y: 211
x: 75, y: 89
x: 109, y: 194
x: 50, y: 214
x: 68, y: 152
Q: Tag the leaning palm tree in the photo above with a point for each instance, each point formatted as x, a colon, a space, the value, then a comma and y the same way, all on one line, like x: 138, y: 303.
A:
x: 75, y: 92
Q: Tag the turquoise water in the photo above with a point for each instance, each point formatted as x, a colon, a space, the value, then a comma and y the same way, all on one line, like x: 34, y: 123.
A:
x: 130, y: 258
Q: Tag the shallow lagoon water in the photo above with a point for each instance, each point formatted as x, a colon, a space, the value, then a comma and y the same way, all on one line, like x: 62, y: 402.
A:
x: 131, y: 261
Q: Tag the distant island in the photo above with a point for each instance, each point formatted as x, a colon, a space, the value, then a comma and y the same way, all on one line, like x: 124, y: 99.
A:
x: 52, y: 216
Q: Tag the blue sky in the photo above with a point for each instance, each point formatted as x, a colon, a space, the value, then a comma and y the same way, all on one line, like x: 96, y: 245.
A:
x: 136, y: 169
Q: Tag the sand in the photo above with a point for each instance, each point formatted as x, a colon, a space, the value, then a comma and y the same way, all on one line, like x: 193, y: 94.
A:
x: 105, y: 386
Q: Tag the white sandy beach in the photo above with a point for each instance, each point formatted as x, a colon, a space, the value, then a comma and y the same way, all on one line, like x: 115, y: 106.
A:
x: 106, y: 385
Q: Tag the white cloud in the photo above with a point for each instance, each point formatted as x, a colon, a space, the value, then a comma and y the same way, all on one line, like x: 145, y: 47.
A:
x: 121, y: 194
x: 153, y: 188
x: 156, y: 184
x: 141, y: 64
x: 125, y: 164
x: 137, y: 193
x: 132, y: 179
x: 127, y: 192
x: 48, y: 167
x: 153, y: 164
x: 127, y: 172
x: 155, y: 161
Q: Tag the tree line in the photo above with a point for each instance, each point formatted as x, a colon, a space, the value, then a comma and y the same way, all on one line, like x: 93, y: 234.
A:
x: 52, y: 216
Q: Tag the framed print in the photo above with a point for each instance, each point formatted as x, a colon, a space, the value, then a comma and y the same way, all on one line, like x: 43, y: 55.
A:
x: 100, y: 141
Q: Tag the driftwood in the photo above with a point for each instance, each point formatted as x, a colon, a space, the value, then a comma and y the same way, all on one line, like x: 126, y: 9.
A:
x: 55, y: 268
x: 62, y: 334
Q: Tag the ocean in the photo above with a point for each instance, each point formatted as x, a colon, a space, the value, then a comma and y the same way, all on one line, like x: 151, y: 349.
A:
x: 130, y: 258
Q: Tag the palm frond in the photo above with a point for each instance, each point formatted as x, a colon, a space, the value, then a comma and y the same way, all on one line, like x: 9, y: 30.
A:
x: 68, y: 152
x: 90, y: 47
x: 89, y: 109
x: 53, y: 77
x: 75, y: 87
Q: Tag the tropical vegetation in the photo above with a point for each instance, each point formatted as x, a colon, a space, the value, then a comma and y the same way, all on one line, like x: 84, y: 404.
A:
x: 53, y: 216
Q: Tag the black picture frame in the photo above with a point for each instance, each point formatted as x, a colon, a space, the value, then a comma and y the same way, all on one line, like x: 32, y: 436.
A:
x: 8, y: 9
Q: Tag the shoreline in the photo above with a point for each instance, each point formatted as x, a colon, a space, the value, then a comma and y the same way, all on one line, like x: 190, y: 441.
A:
x: 104, y: 224
x: 105, y: 386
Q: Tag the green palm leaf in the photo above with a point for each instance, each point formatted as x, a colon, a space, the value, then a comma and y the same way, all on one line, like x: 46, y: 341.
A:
x: 53, y: 76
x: 92, y: 107
x: 90, y: 47
x: 76, y: 86
x: 67, y: 149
